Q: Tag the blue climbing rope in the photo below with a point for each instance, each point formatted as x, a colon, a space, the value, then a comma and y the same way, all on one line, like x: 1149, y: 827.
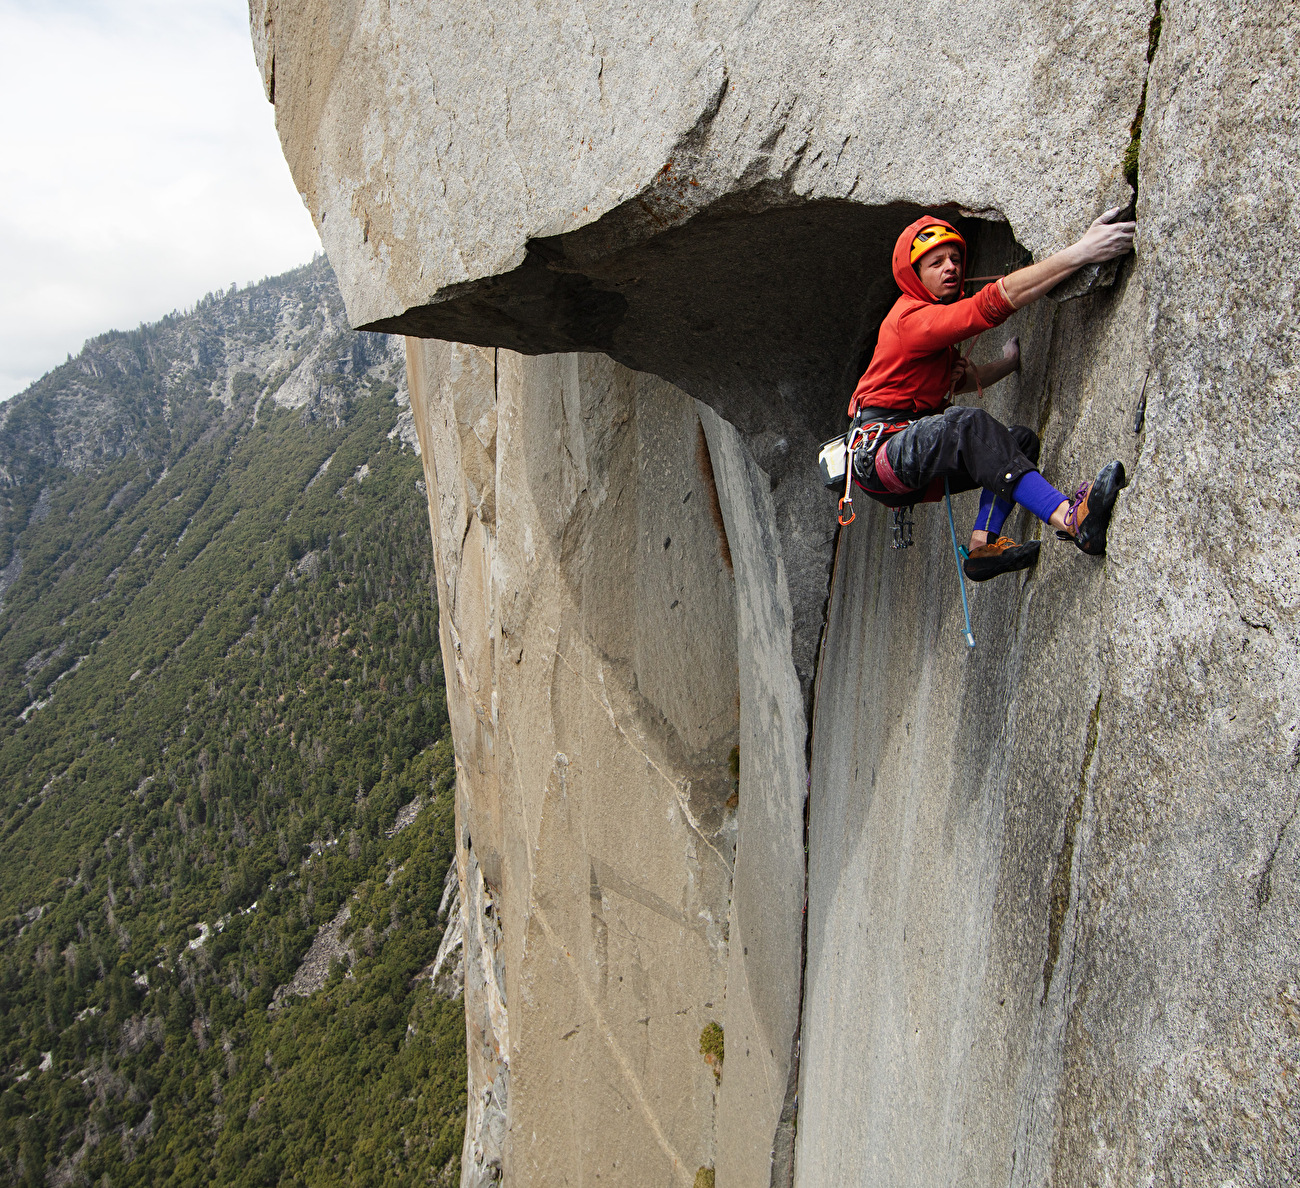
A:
x: 956, y: 554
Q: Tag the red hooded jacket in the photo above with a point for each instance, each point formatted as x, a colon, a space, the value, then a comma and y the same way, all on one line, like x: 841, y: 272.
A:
x: 912, y: 367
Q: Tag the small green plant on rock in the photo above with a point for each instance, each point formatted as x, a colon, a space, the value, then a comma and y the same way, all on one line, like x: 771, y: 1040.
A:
x: 1130, y: 162
x: 711, y: 1048
x: 704, y: 1178
x: 733, y: 765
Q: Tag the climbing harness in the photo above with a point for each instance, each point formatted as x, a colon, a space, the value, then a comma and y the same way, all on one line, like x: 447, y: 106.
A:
x: 957, y: 556
x: 836, y: 461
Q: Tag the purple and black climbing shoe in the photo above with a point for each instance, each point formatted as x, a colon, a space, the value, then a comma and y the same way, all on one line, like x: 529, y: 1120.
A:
x: 1000, y: 556
x: 1088, y: 516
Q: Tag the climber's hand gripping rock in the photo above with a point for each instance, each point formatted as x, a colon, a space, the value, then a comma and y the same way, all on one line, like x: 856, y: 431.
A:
x: 1105, y: 240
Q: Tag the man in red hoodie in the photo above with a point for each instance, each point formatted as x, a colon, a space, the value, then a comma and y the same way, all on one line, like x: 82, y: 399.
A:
x: 913, y: 438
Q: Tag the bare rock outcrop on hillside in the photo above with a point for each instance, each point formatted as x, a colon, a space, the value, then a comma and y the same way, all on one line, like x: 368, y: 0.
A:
x: 285, y: 339
x: 313, y: 972
x: 1051, y: 891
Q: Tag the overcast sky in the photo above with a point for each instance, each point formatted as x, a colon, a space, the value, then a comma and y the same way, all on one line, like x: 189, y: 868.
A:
x: 139, y: 169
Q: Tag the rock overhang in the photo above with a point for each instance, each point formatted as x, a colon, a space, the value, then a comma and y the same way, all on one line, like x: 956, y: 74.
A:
x: 488, y: 161
x: 765, y: 310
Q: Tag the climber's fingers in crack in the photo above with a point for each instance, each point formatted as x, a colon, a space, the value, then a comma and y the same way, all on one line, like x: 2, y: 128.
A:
x: 1106, y: 239
x: 1011, y: 352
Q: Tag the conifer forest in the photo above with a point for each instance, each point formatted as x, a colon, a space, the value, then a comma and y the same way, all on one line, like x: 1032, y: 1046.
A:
x: 226, y: 816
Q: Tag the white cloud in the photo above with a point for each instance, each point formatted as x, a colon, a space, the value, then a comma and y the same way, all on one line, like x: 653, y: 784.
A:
x: 139, y: 169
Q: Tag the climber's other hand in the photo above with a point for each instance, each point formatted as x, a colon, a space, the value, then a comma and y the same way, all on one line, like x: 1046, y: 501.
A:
x: 1106, y: 239
x: 963, y: 375
x: 1011, y: 353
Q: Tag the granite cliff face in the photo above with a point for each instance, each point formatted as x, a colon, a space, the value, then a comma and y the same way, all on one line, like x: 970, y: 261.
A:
x: 1050, y: 932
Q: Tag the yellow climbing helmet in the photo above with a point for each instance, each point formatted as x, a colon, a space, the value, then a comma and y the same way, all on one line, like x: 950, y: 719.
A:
x: 932, y: 237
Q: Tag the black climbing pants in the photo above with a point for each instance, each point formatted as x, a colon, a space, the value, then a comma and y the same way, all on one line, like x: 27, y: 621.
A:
x: 966, y: 446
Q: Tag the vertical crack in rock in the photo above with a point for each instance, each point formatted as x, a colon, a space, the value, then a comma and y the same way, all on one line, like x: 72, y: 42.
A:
x: 705, y: 463
x: 783, y: 1143
x: 1131, y: 154
x: 783, y: 1147
x: 1264, y: 891
x: 1062, y: 874
x: 489, y: 1030
x: 764, y: 982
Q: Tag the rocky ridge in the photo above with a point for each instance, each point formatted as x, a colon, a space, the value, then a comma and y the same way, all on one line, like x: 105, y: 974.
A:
x: 286, y: 339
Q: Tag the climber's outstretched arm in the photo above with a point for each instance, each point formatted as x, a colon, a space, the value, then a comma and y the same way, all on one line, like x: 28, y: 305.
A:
x: 1104, y: 240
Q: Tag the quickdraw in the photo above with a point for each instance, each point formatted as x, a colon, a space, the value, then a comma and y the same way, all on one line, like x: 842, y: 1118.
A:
x: 870, y: 433
x: 852, y: 444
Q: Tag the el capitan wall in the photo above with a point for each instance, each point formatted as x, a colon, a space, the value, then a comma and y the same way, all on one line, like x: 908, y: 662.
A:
x: 1051, y: 884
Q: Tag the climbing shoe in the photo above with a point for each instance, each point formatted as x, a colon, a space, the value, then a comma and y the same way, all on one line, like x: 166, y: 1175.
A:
x: 1088, y: 516
x: 1000, y: 556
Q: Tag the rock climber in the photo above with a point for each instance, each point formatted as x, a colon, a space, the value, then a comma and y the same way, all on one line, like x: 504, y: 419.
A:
x: 910, y: 437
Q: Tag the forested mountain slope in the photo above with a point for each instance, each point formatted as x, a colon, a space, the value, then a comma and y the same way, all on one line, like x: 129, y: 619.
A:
x: 220, y: 685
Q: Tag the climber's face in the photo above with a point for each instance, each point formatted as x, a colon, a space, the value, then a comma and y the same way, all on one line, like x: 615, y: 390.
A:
x: 940, y: 271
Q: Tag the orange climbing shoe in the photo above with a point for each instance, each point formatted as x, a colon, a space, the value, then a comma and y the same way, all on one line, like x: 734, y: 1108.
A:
x: 1088, y: 516
x: 1000, y: 556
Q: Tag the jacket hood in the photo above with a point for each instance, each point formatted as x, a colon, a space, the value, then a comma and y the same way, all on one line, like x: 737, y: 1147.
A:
x: 904, y: 273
